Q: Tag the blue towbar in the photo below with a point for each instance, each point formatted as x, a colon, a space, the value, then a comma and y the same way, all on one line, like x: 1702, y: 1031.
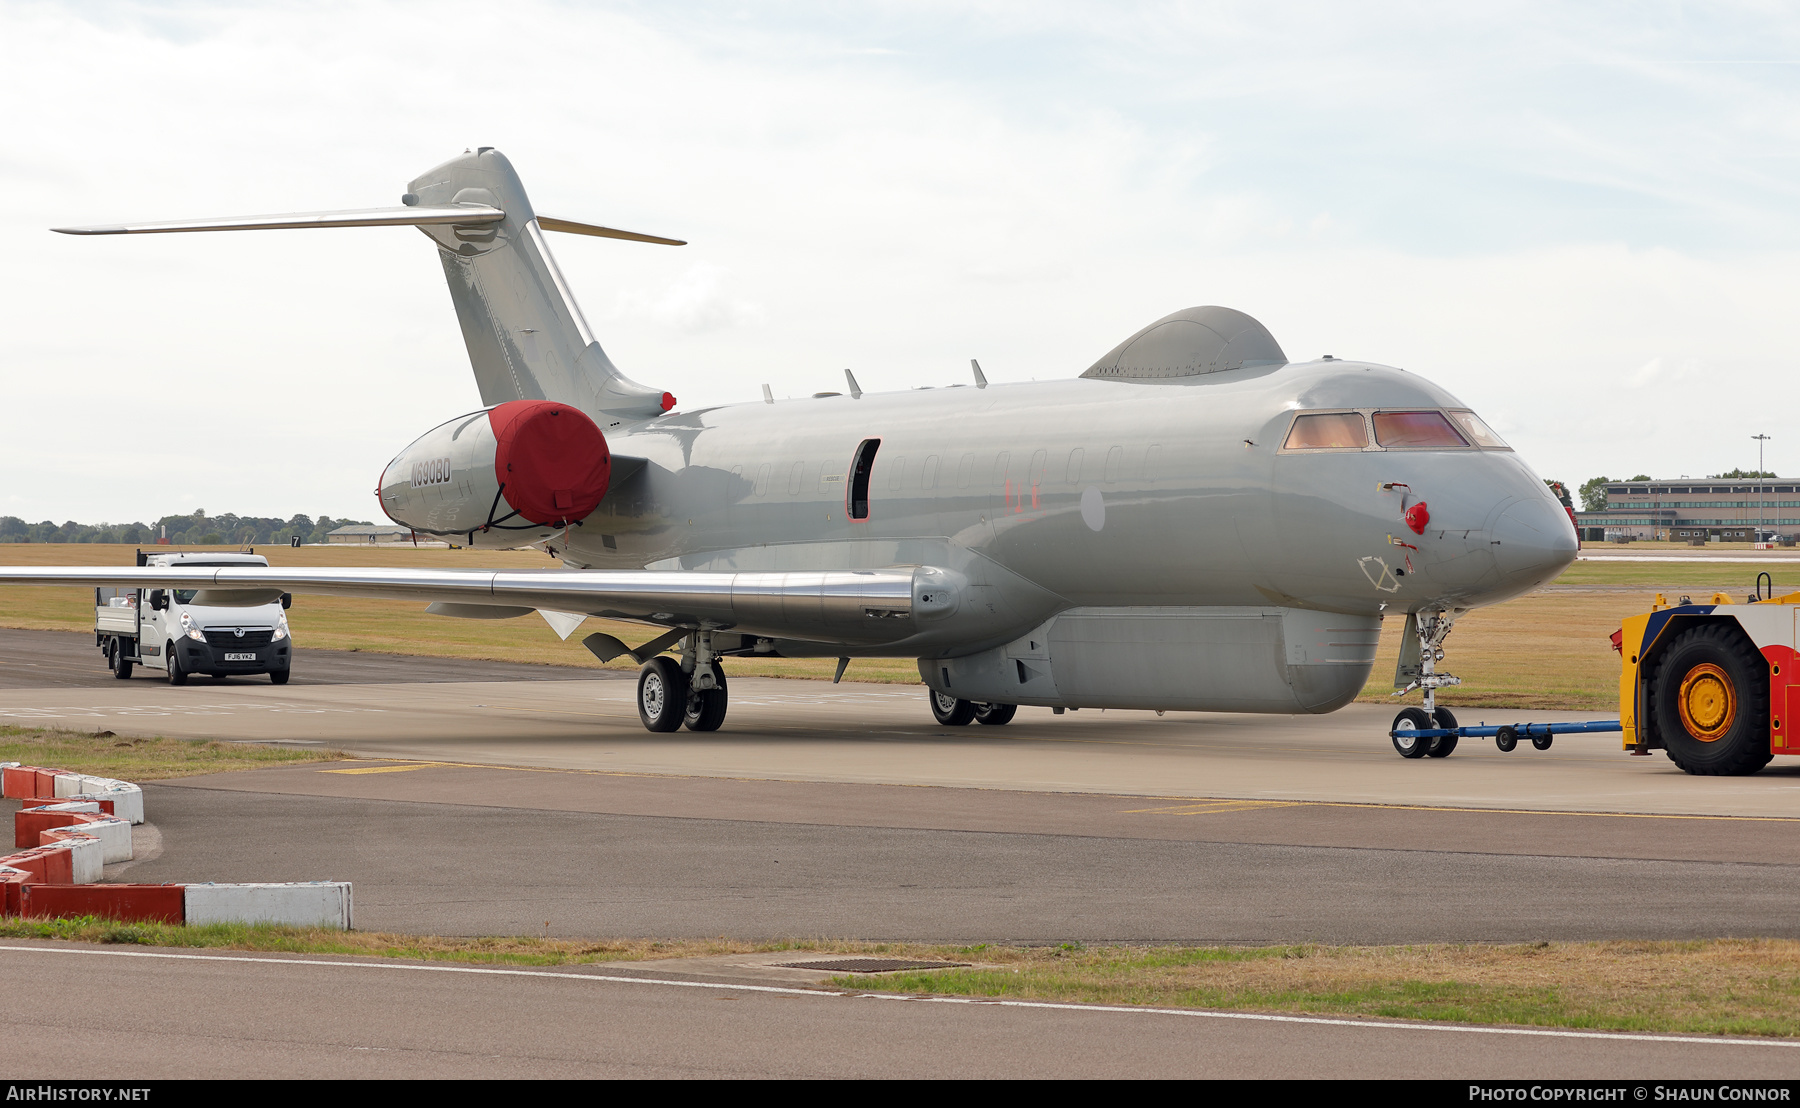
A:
x: 1521, y: 730
x: 1415, y: 738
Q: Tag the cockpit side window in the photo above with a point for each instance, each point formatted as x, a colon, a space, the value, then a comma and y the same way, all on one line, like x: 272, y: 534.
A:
x: 1328, y: 431
x: 1478, y: 432
x: 1429, y: 430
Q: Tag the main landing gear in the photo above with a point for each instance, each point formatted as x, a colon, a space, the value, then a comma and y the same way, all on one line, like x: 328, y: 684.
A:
x: 1432, y: 630
x: 951, y: 712
x: 689, y: 691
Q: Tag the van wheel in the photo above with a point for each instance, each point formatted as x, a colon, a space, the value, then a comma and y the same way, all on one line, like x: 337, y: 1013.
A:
x: 278, y: 676
x: 117, y: 661
x: 1711, y: 699
x: 177, y: 675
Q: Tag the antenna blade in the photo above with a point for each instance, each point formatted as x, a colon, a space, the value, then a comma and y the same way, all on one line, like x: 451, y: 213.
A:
x: 361, y: 217
x: 855, y: 389
x: 569, y: 226
x: 768, y: 397
x: 980, y: 377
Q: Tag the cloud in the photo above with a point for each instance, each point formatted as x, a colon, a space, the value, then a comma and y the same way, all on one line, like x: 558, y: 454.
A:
x: 1533, y: 205
x: 695, y: 302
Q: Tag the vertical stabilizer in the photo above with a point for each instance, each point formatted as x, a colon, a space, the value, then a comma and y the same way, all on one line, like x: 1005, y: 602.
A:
x: 526, y: 336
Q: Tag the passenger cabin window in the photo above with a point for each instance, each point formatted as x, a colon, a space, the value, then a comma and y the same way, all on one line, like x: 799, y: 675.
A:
x: 860, y: 468
x: 1328, y: 431
x: 1416, y: 429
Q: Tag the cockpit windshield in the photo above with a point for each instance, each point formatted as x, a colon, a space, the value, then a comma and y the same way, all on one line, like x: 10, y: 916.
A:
x: 1379, y: 429
x: 1416, y: 429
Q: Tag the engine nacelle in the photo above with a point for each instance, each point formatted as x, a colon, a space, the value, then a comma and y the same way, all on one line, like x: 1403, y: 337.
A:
x: 519, y: 466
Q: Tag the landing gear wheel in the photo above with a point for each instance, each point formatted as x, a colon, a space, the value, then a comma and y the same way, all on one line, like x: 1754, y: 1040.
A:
x: 1711, y: 699
x: 662, y: 694
x: 1441, y: 746
x: 1542, y: 742
x: 995, y: 715
x: 117, y: 662
x: 1505, y: 739
x: 706, y: 707
x: 1406, y: 723
x: 177, y: 675
x: 951, y: 712
x: 278, y: 676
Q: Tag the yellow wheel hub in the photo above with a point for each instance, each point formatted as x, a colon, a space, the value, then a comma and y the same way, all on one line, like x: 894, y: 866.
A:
x: 1708, y: 702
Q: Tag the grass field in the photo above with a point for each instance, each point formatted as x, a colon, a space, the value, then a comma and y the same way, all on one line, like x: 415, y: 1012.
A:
x: 104, y: 754
x: 1548, y: 650
x: 1727, y: 986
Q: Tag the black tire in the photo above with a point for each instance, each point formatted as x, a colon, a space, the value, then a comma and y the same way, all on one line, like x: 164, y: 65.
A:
x: 1441, y: 746
x: 706, y: 708
x: 1542, y: 742
x: 177, y: 675
x: 1409, y: 720
x: 951, y: 712
x: 1710, y: 696
x: 995, y: 715
x: 662, y: 694
x: 117, y: 662
x: 1505, y: 739
x: 278, y: 676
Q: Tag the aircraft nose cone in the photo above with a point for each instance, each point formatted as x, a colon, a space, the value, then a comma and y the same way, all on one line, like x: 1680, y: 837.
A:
x: 1532, y: 541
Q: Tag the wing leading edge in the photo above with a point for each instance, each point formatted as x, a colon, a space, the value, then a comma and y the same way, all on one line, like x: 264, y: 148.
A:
x: 851, y: 607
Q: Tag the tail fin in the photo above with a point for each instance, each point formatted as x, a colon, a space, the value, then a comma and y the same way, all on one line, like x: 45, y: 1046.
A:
x: 526, y: 336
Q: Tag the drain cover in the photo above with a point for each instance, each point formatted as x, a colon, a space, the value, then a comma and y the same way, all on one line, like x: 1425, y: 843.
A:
x: 870, y: 965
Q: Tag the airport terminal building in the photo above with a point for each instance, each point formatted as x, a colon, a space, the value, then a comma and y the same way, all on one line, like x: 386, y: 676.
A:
x: 1714, y: 510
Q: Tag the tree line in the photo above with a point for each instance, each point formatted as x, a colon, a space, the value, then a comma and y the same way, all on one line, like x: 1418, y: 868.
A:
x: 198, y: 529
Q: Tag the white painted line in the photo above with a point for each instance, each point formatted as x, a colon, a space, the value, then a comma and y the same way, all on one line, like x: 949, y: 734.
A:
x: 1193, y: 1013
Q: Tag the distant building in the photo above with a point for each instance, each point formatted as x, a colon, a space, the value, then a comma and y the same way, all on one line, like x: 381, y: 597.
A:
x: 1715, y: 510
x: 367, y: 533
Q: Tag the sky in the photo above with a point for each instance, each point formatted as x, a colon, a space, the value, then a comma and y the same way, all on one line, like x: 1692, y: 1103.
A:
x: 1581, y: 219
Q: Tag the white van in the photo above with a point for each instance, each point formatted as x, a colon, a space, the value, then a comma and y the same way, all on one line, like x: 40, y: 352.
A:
x: 164, y: 629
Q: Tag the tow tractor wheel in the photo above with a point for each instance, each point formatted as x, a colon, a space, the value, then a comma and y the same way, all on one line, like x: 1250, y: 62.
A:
x: 662, y: 694
x: 177, y: 675
x: 706, y: 708
x: 1441, y: 746
x: 1406, y: 742
x: 1711, y: 700
x: 951, y: 712
x: 995, y: 715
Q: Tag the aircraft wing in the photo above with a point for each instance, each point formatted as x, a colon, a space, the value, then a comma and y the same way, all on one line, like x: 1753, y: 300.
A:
x: 850, y: 607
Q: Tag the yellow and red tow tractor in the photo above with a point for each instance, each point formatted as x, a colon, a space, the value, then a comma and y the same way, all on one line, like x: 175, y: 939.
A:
x: 1714, y: 685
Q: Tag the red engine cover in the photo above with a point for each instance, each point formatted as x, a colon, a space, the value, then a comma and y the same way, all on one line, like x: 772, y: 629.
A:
x: 551, y: 460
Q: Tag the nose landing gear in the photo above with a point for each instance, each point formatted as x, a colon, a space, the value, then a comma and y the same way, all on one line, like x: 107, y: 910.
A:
x: 1429, y: 633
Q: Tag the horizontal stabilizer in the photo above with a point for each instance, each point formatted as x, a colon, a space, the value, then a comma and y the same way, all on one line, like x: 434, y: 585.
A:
x: 361, y: 217
x: 569, y: 226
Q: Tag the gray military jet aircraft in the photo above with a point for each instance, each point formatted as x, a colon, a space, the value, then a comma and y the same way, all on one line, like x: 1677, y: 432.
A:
x: 1195, y: 523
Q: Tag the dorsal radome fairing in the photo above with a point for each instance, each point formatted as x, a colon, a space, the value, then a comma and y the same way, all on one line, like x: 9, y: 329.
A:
x: 1190, y: 343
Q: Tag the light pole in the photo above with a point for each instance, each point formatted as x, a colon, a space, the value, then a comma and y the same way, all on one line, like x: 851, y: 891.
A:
x: 1762, y: 487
